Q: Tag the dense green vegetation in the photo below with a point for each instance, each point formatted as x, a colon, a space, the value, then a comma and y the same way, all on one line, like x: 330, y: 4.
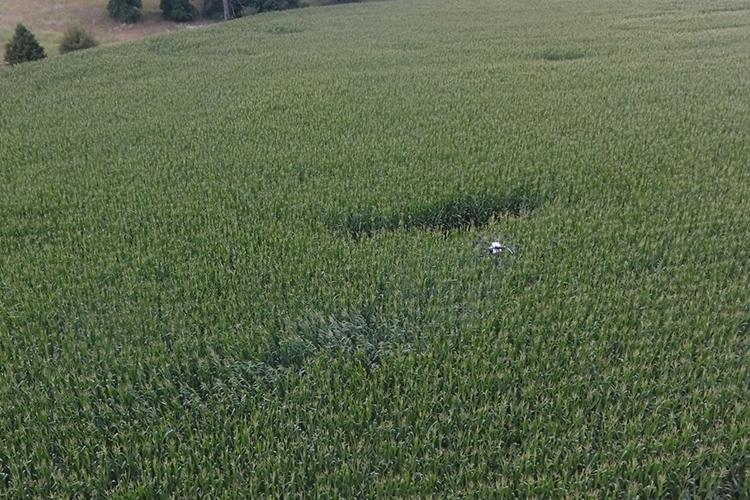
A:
x: 252, y: 258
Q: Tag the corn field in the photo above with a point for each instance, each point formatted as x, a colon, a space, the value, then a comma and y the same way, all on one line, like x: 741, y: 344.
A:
x: 252, y: 259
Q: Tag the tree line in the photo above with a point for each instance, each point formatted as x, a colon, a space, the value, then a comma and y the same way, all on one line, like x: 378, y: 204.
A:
x: 129, y: 11
x: 24, y: 46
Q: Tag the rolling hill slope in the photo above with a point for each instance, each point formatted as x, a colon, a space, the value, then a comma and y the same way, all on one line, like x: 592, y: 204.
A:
x: 252, y: 259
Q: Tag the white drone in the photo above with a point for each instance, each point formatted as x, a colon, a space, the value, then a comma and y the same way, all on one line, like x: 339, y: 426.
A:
x: 497, y: 248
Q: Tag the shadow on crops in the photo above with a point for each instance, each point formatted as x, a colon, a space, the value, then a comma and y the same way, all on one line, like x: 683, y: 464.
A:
x: 362, y: 338
x: 282, y: 29
x: 171, y: 45
x: 724, y: 10
x: 355, y: 335
x: 5, y: 476
x: 555, y: 55
x: 459, y: 212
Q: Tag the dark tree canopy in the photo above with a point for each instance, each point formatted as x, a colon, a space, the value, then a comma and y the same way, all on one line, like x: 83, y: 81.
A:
x: 178, y: 10
x: 127, y: 11
x: 214, y: 8
x: 23, y: 47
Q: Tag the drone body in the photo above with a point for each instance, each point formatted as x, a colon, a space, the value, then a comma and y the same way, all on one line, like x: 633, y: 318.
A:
x: 497, y: 248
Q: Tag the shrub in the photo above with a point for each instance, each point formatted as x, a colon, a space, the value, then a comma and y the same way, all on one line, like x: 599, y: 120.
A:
x: 127, y: 11
x: 23, y: 47
x: 76, y: 38
x: 178, y: 10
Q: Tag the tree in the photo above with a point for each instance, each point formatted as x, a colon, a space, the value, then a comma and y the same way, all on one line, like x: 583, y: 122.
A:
x: 226, y: 8
x: 76, y: 38
x: 23, y: 47
x: 266, y: 5
x: 178, y: 10
x: 127, y: 11
x: 235, y: 8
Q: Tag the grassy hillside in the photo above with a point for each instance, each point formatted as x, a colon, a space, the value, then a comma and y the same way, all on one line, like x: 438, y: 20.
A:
x: 252, y: 258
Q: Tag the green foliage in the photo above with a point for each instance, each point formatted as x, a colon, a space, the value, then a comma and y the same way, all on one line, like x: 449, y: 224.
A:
x: 23, y: 47
x: 178, y: 10
x: 214, y: 8
x: 126, y: 11
x: 184, y: 311
x: 76, y: 38
x: 269, y: 5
